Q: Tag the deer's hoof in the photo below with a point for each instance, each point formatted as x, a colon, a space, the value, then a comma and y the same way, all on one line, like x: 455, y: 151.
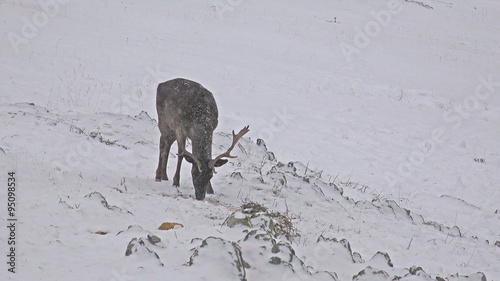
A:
x: 161, y: 178
x: 200, y: 196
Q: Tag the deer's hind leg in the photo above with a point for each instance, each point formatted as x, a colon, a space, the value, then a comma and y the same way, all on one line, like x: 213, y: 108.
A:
x: 166, y: 140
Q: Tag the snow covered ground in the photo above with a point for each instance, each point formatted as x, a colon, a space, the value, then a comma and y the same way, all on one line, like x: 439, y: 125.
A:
x: 379, y: 122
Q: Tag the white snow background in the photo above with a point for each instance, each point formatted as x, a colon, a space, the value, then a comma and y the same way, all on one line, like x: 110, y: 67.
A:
x: 379, y: 120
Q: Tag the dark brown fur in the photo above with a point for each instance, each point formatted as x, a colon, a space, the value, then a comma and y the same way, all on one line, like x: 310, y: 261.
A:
x: 187, y: 110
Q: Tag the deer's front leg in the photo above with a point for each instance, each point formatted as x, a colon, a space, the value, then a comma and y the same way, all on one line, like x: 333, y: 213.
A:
x: 161, y: 171
x: 209, y: 188
x: 177, y: 175
x: 181, y: 143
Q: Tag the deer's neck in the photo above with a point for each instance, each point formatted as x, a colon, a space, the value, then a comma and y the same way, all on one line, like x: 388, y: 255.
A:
x: 202, y: 145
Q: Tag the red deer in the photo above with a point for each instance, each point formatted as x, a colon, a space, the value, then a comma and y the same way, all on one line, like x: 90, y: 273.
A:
x: 188, y: 110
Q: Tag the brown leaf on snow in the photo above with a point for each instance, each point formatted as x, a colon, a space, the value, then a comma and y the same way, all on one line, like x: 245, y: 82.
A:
x: 169, y: 225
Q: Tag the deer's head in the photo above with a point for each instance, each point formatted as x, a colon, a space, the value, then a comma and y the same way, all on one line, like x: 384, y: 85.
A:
x: 204, y: 169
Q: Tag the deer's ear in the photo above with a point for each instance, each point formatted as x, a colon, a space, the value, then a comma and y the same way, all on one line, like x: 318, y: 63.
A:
x: 220, y: 162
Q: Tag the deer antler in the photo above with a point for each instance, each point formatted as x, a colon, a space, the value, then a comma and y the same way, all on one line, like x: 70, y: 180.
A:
x: 184, y: 152
x: 227, y: 154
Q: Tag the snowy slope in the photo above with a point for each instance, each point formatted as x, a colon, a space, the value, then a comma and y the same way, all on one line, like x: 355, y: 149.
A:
x: 395, y: 145
x: 63, y: 191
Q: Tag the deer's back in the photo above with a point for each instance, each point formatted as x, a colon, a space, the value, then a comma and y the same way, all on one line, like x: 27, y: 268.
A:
x: 185, y: 103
